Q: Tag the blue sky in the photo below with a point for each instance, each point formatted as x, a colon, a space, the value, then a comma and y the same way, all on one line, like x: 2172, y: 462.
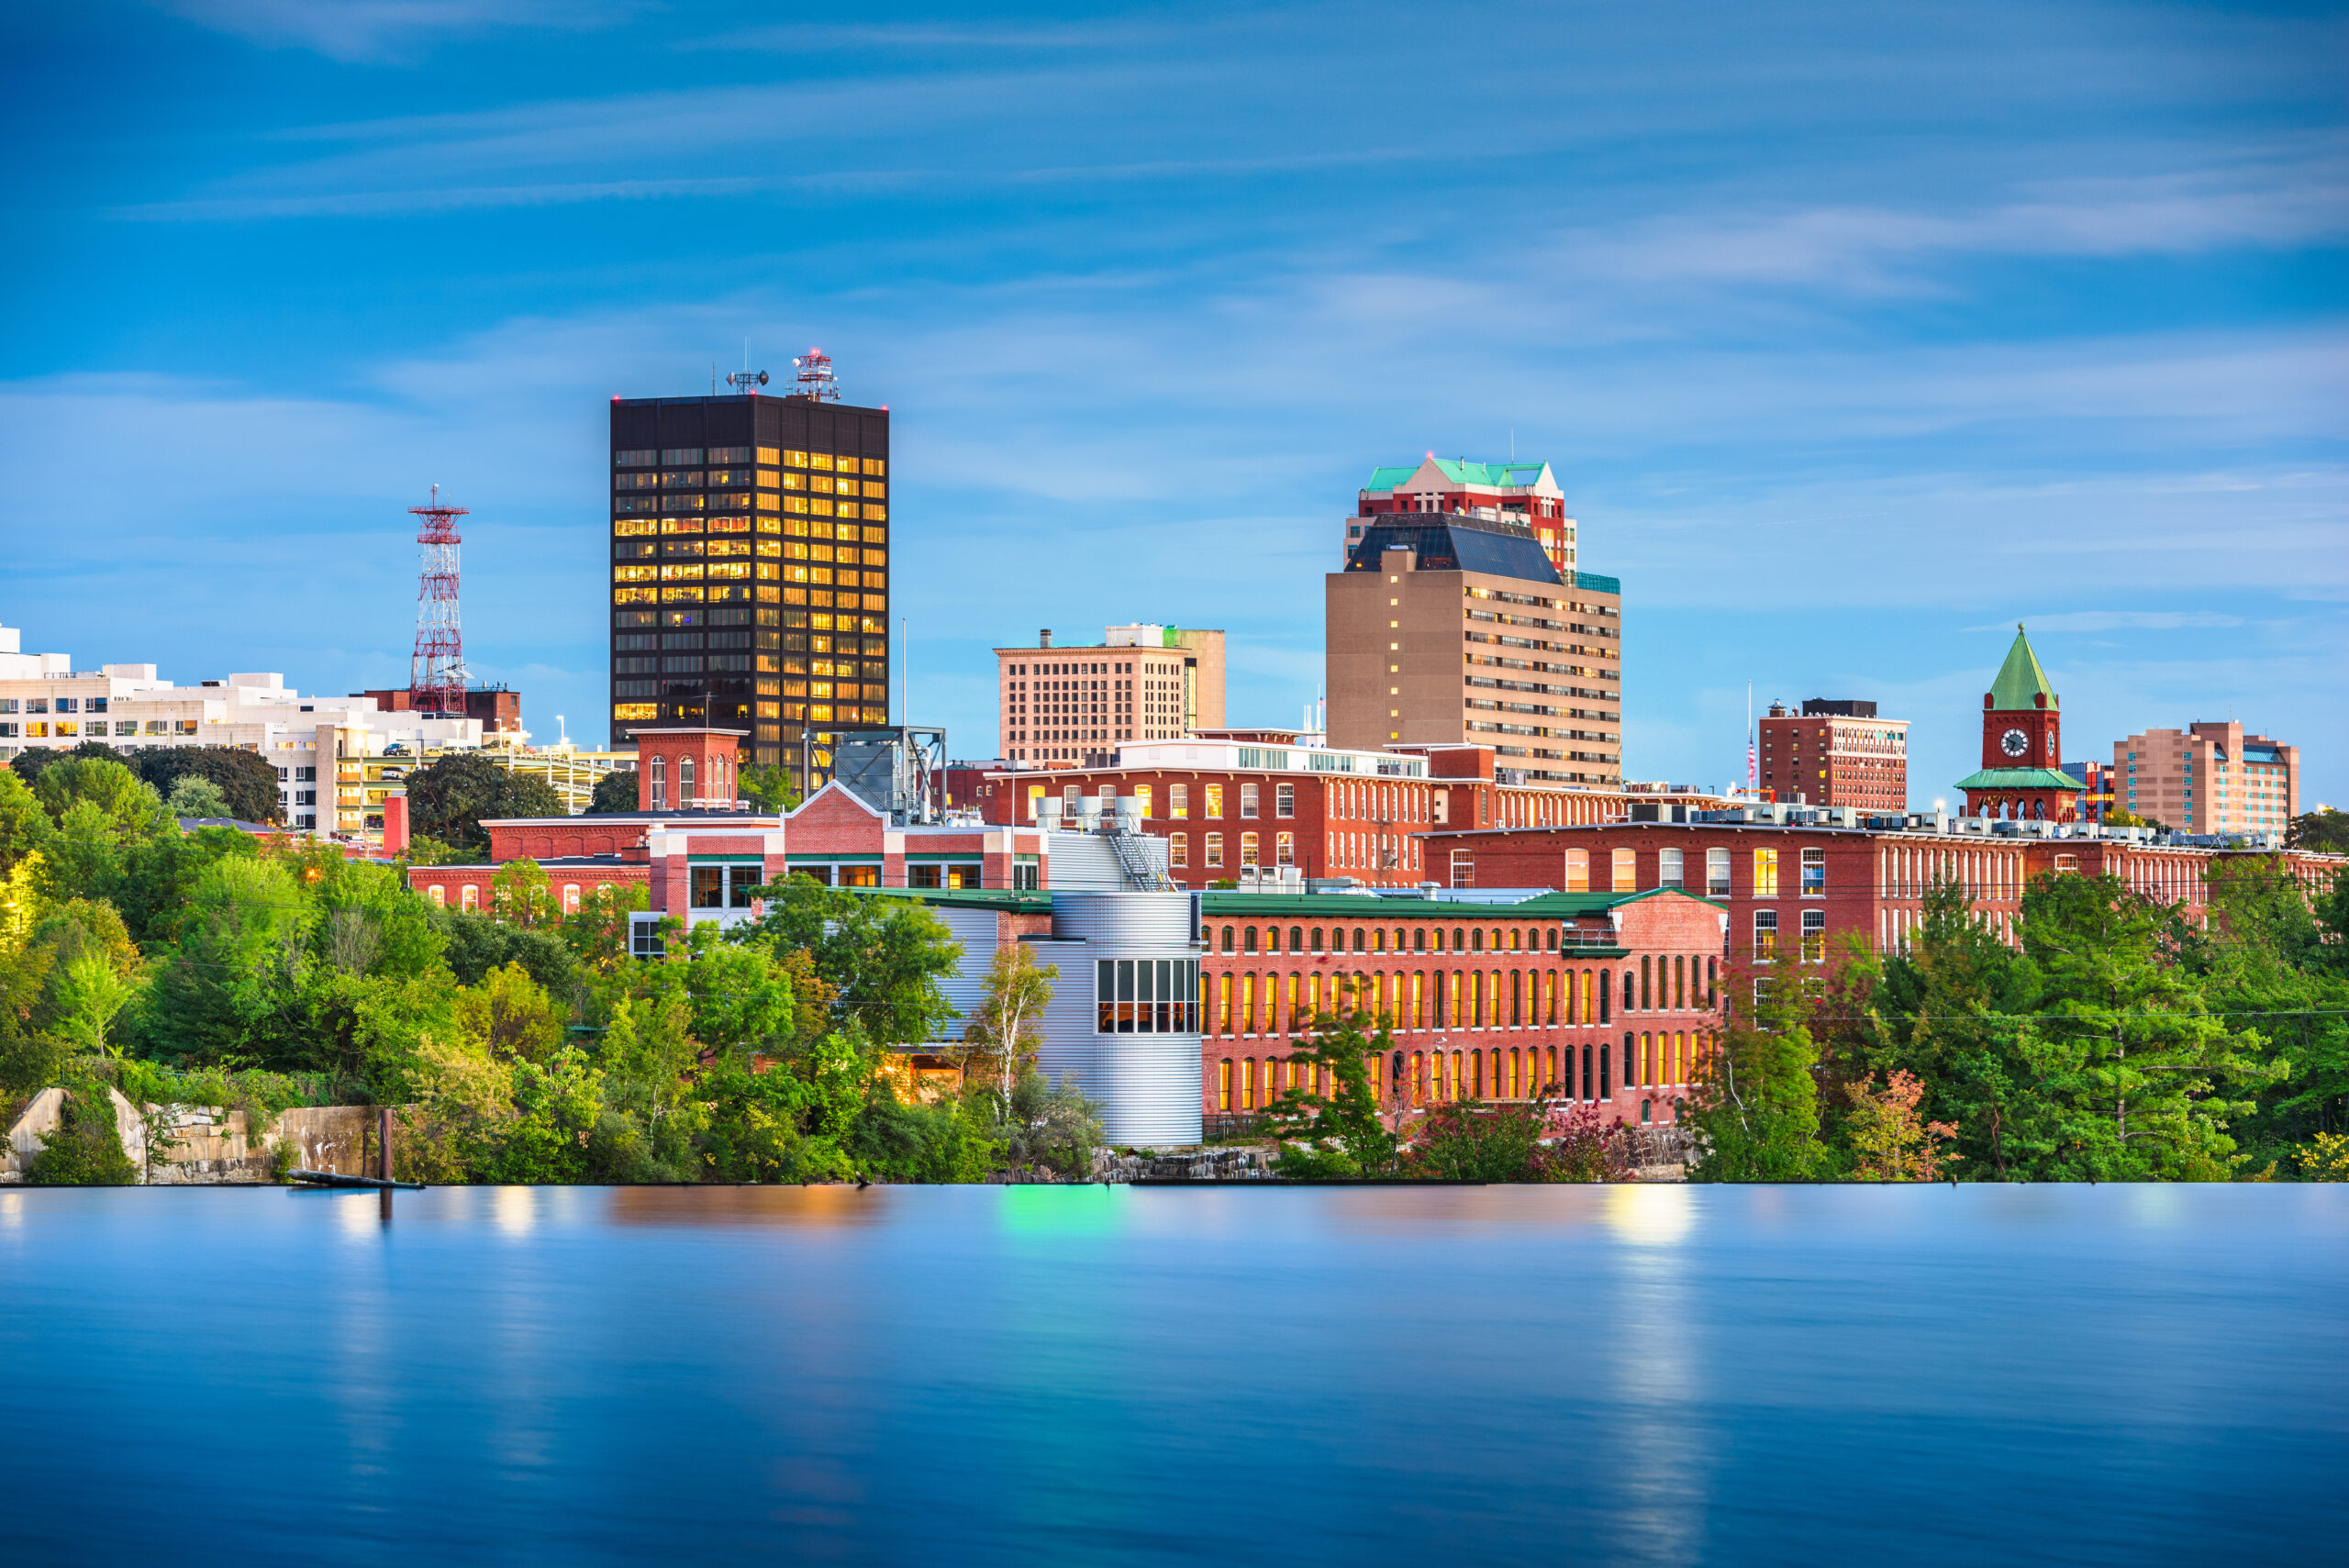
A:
x: 1853, y: 334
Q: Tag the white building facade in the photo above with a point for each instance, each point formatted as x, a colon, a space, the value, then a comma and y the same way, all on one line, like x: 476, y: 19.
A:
x: 325, y: 749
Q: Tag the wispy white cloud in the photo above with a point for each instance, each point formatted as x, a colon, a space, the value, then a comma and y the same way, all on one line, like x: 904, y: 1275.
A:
x: 375, y: 30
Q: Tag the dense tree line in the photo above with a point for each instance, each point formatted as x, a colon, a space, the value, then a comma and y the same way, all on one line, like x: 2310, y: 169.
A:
x: 2122, y: 1041
x: 522, y: 1043
x: 241, y: 783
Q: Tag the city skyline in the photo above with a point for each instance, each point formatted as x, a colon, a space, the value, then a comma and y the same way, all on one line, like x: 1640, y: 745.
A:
x: 1835, y: 435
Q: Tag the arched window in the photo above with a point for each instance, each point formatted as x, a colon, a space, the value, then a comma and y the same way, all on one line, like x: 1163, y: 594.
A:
x: 1605, y: 996
x: 1516, y: 998
x: 1626, y: 990
x: 1647, y: 1111
x: 571, y: 899
x: 440, y: 895
x: 1248, y: 1085
x: 1551, y: 939
x: 470, y: 898
x: 1296, y: 939
x: 1516, y: 940
x: 1229, y: 938
x: 1223, y: 1085
x: 1248, y: 940
x: 1459, y: 938
x: 685, y: 781
x: 1419, y: 938
x: 1359, y: 945
x: 660, y: 784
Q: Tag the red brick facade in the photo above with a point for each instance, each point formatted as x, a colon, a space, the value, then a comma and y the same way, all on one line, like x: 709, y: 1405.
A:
x: 1801, y: 889
x: 1360, y: 826
x: 1593, y: 1000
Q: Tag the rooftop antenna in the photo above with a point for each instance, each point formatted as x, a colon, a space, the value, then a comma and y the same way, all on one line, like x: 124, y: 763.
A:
x: 816, y: 383
x: 436, y: 672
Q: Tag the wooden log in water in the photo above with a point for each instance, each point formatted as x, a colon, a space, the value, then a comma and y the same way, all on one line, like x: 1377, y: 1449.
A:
x: 331, y: 1179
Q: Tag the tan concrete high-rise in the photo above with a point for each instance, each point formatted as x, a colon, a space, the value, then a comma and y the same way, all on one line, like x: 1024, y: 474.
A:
x: 1448, y: 627
x: 2207, y: 778
x: 1070, y: 704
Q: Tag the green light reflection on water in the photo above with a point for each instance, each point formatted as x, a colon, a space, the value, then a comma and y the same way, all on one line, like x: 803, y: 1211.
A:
x: 1043, y: 1210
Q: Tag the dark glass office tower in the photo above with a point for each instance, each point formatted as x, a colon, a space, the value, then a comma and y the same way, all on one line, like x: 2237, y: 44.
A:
x: 750, y: 567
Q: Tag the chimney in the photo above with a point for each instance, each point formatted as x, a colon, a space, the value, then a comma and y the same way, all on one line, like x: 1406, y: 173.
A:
x: 395, y: 825
x: 1044, y: 638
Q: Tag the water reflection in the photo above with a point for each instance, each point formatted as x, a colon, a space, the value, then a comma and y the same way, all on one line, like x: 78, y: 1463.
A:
x: 1650, y: 1216
x: 1172, y: 1376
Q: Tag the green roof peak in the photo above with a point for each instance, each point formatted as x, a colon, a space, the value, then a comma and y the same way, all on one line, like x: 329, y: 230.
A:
x: 2020, y: 683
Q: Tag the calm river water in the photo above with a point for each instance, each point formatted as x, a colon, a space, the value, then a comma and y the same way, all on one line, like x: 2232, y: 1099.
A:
x: 1091, y: 1375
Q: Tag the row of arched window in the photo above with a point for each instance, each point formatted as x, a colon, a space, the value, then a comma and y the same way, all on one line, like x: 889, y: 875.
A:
x: 1592, y: 1071
x: 1249, y: 1003
x: 1379, y: 938
x: 469, y: 895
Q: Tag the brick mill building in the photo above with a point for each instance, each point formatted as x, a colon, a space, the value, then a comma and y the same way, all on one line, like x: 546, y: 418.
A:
x: 1608, y: 998
x: 1266, y: 800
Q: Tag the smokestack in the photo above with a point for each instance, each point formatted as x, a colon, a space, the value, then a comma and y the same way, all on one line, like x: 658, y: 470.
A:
x: 1044, y: 638
x: 395, y: 825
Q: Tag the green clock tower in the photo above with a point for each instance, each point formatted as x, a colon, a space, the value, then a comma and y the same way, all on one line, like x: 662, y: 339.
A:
x: 2021, y: 778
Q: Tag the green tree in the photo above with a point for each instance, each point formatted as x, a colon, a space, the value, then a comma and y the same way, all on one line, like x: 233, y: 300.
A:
x: 1001, y: 1039
x: 520, y: 895
x: 1329, y: 1124
x: 232, y: 989
x: 25, y: 825
x: 90, y: 996
x: 475, y: 944
x: 2266, y: 961
x: 196, y: 795
x: 767, y: 787
x: 129, y: 804
x: 85, y: 1148
x: 247, y: 783
x: 2325, y: 829
x: 2140, y: 1072
x: 615, y: 793
x: 885, y: 957
x: 1754, y: 1109
x: 1955, y: 1011
x: 449, y: 797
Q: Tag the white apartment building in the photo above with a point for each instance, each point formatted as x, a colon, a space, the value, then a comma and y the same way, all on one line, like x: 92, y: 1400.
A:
x: 328, y: 750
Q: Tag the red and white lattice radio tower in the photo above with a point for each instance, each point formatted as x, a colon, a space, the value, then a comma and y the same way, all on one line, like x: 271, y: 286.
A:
x: 816, y: 380
x: 436, y: 673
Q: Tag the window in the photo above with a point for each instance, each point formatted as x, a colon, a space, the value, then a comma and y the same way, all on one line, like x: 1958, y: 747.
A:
x: 1766, y: 932
x: 1248, y: 800
x: 440, y: 895
x: 1178, y: 801
x: 1285, y: 802
x: 469, y: 896
x: 1285, y: 849
x: 708, y: 887
x: 1668, y: 867
x: 1214, y: 802
x: 1814, y: 936
x: 1141, y: 793
x: 1765, y: 874
x: 1626, y: 875
x: 1814, y: 874
x: 1248, y: 849
x: 1578, y: 871
x: 1215, y: 846
x: 1717, y: 874
x: 1178, y: 851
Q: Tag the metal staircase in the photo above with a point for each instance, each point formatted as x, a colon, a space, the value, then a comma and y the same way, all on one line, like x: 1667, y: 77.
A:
x: 1141, y: 874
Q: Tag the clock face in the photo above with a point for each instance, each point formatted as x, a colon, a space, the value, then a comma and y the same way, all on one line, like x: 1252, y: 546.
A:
x: 2014, y: 742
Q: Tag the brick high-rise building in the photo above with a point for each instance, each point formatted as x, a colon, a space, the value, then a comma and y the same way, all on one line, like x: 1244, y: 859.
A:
x: 2207, y: 778
x: 750, y: 567
x: 1072, y: 705
x: 1836, y: 753
x: 1452, y: 626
